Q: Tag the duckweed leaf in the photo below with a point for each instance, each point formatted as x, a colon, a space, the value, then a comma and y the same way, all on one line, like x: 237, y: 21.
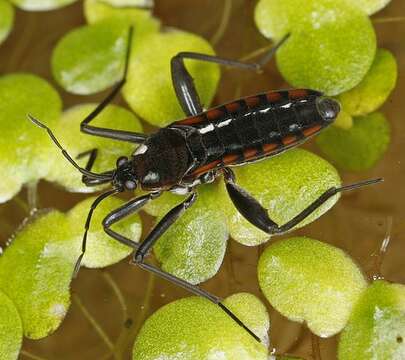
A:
x: 344, y: 120
x: 376, y: 329
x: 194, y: 328
x: 372, y: 6
x: 360, y: 147
x: 375, y: 87
x: 41, y: 5
x: 241, y: 304
x: 76, y: 142
x: 26, y: 147
x: 194, y: 247
x: 307, y: 280
x: 91, y: 58
x: 45, y: 252
x: 6, y: 19
x: 102, y: 250
x: 45, y: 259
x: 285, y: 185
x: 10, y: 329
x: 149, y: 90
x: 335, y: 41
x: 97, y: 10
x: 163, y: 204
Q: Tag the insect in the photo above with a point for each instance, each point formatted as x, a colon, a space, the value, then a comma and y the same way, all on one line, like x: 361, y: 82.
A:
x: 200, y: 148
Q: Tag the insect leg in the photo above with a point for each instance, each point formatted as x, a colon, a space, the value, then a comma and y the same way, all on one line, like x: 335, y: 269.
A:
x: 123, y: 211
x: 151, y: 239
x: 92, y: 158
x: 123, y: 135
x: 88, y: 181
x: 183, y: 83
x: 257, y: 215
x: 87, y: 225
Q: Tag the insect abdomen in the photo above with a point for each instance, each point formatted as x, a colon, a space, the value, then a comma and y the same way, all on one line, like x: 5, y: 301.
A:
x: 255, y: 127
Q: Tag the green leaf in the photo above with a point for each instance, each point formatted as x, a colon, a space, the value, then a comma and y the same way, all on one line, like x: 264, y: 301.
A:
x: 96, y: 10
x: 102, y: 250
x: 252, y: 312
x: 24, y: 145
x: 332, y: 43
x: 371, y: 6
x: 193, y: 328
x: 45, y: 259
x: 344, y: 120
x: 41, y: 5
x: 194, y: 247
x: 149, y: 89
x: 91, y: 58
x: 307, y: 280
x: 376, y: 329
x: 10, y: 329
x: 45, y: 252
x: 75, y: 142
x: 6, y: 19
x: 285, y: 185
x: 360, y: 147
x: 375, y: 87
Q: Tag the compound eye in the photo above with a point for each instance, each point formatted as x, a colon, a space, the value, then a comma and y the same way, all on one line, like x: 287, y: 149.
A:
x: 130, y: 185
x: 121, y: 161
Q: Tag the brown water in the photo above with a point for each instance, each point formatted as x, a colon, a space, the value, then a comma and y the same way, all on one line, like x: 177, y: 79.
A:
x: 357, y: 224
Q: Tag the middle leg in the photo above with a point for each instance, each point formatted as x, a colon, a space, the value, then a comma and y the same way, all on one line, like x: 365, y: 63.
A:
x: 151, y: 239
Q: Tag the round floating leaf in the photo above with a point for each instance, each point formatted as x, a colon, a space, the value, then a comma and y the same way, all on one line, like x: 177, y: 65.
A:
x: 371, y: 6
x: 149, y: 89
x: 91, y: 58
x: 96, y: 10
x: 6, y: 19
x: 376, y: 329
x: 45, y: 252
x: 102, y: 250
x: 344, y: 120
x: 193, y: 328
x: 285, y: 185
x: 44, y: 256
x: 41, y: 5
x: 194, y: 247
x: 24, y: 145
x: 360, y: 147
x: 76, y: 142
x: 332, y: 60
x: 307, y: 280
x: 375, y: 87
x: 10, y: 329
x: 332, y: 43
x: 242, y: 304
x: 163, y: 204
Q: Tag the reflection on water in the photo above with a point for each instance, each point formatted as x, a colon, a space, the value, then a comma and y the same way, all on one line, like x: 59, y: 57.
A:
x: 357, y: 224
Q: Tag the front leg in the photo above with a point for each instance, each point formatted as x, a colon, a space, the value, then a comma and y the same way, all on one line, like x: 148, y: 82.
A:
x: 115, y: 134
x: 258, y: 216
x: 122, y: 212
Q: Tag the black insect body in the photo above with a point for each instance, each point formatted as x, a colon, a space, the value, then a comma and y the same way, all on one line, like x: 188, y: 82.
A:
x: 202, y: 147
